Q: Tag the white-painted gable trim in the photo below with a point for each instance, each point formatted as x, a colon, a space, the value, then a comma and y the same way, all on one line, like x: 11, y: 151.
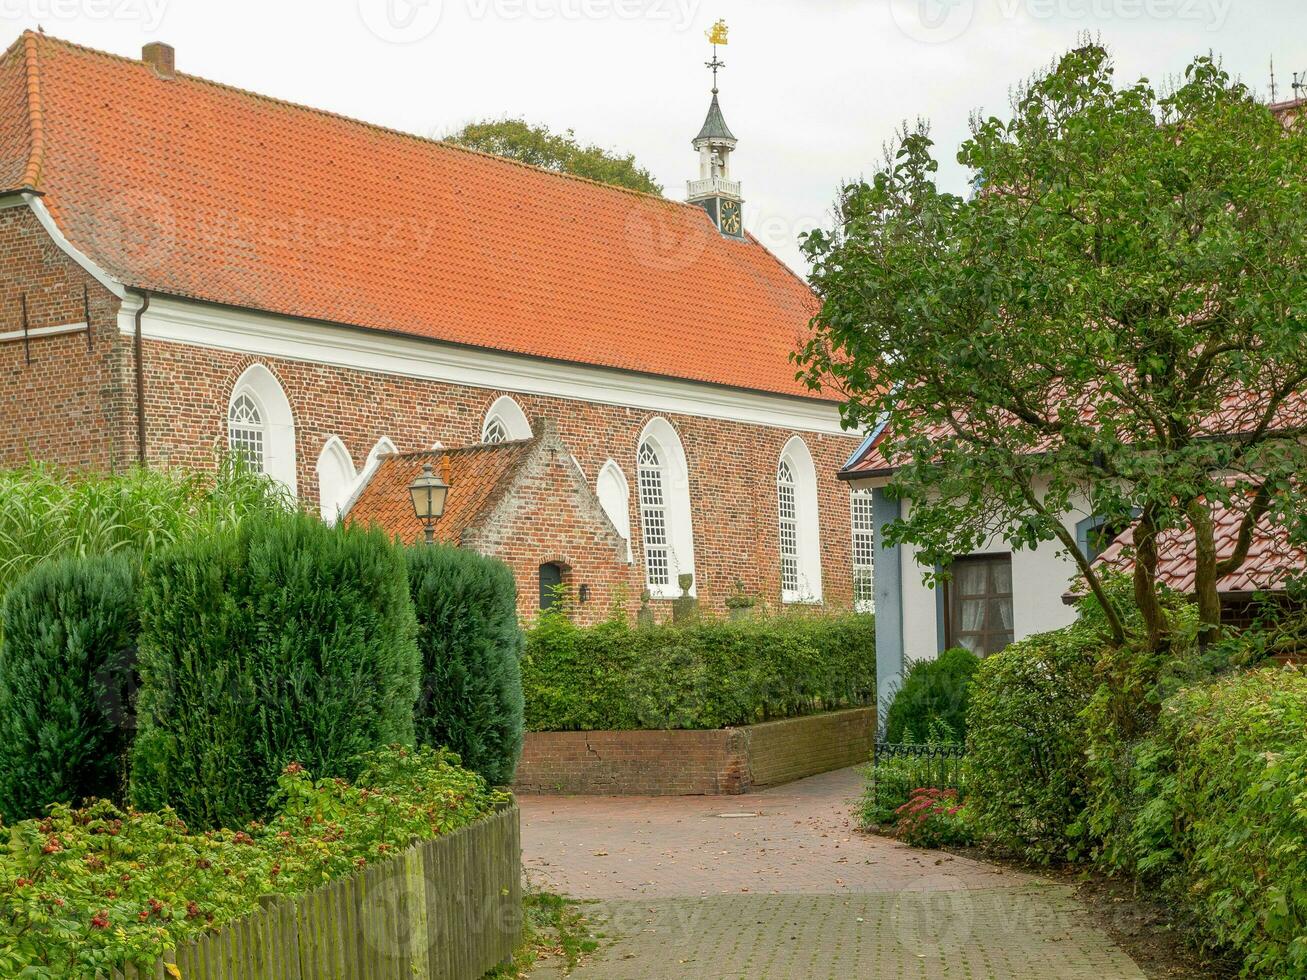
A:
x: 265, y: 335
x: 38, y: 208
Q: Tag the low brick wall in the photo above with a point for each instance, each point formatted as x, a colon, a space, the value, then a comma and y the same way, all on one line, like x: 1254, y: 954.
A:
x: 681, y: 763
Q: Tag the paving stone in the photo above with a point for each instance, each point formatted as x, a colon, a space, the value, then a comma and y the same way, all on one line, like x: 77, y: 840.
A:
x: 681, y: 891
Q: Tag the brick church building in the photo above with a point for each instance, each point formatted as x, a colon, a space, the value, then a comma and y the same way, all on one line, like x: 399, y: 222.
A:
x: 602, y: 376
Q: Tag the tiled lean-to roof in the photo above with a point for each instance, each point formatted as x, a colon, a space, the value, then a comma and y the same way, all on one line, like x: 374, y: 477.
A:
x: 188, y: 188
x: 476, y: 475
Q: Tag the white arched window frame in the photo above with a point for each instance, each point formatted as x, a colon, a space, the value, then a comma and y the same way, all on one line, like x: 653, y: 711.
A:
x: 666, y: 521
x: 798, y: 524
x: 336, y: 479
x: 505, y: 422
x: 261, y: 426
x: 614, y: 495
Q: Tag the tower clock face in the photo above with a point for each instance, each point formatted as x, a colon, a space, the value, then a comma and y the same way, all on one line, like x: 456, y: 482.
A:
x: 731, y: 222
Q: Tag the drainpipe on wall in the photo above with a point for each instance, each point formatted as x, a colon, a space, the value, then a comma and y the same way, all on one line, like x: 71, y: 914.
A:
x: 140, y: 380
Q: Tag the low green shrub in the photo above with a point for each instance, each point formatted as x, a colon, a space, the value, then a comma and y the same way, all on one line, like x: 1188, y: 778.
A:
x: 285, y: 640
x: 89, y: 890
x: 933, y: 818
x: 471, y: 647
x: 67, y: 678
x: 891, y: 780
x: 933, y: 691
x: 1026, y: 740
x: 1226, y: 825
x: 705, y: 675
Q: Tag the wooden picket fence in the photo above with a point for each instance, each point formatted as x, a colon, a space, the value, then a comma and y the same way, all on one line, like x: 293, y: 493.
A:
x: 446, y: 909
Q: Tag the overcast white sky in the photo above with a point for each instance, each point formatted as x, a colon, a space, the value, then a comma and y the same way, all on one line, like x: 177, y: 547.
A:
x: 813, y: 88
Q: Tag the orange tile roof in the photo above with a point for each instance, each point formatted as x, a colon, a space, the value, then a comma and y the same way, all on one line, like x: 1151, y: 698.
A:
x: 1272, y: 557
x: 476, y: 475
x: 194, y: 189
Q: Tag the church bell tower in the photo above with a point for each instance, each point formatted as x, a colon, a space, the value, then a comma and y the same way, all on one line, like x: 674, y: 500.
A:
x: 715, y: 191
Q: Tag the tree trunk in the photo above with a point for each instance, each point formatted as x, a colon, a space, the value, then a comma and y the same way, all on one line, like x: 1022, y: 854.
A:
x: 1145, y: 579
x: 1205, y: 574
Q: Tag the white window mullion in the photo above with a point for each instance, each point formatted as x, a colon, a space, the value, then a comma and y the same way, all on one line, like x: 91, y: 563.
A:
x: 789, y: 530
x: 653, y: 518
x: 864, y: 551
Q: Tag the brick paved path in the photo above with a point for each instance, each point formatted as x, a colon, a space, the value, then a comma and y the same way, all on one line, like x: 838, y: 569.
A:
x: 685, y: 891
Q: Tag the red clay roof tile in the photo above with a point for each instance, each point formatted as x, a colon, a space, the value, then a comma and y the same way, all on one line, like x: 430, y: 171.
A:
x: 190, y: 188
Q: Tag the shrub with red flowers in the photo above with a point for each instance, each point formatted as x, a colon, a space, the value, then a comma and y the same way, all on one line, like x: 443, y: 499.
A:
x: 91, y: 889
x: 932, y: 818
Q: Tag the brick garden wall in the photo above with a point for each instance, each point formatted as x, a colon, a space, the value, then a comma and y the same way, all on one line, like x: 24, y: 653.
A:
x: 687, y: 763
x: 68, y: 405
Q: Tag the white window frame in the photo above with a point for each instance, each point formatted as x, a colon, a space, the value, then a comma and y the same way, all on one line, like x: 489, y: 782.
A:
x: 505, y: 422
x: 277, y: 421
x: 659, y: 434
x: 248, y: 437
x: 862, y: 522
x: 807, y: 524
x: 337, y: 479
x: 614, y: 493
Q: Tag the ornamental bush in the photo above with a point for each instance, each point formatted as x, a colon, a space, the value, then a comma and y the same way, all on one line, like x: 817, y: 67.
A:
x: 471, y: 648
x: 67, y: 678
x: 934, y: 691
x: 1026, y: 740
x: 286, y: 640
x: 706, y: 675
x: 86, y: 891
x: 1225, y: 826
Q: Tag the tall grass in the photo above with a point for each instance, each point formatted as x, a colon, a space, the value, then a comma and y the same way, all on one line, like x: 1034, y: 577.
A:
x: 47, y: 513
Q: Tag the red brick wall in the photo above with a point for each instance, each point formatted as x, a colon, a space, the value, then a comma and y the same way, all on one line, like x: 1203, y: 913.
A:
x: 65, y: 407
x: 550, y: 515
x: 634, y: 763
x: 679, y: 763
x: 732, y: 465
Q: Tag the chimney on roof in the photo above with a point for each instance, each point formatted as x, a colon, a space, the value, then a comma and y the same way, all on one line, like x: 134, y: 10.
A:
x: 161, y: 58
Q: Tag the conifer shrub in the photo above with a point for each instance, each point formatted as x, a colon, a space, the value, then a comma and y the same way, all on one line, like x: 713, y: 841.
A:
x: 934, y: 692
x: 283, y: 641
x: 67, y: 669
x: 471, y: 648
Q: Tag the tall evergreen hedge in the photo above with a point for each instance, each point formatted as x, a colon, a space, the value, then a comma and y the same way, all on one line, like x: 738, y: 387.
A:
x: 933, y: 691
x: 471, y: 646
x: 67, y: 662
x: 283, y: 641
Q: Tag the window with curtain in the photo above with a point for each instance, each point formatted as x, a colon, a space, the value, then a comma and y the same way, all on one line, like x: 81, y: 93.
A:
x: 980, y: 603
x: 653, y: 516
x: 245, y: 431
x: 864, y: 550
x: 788, y: 509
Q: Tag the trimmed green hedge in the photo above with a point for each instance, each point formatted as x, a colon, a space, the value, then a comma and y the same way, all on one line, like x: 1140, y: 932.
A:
x: 85, y: 891
x: 471, y: 647
x: 1026, y: 740
x: 284, y: 641
x: 67, y: 679
x: 705, y: 675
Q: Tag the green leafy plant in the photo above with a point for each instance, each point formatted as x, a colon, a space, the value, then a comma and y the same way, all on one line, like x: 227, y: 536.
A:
x: 933, y: 691
x: 933, y: 818
x: 46, y: 513
x: 283, y: 640
x: 92, y: 889
x: 67, y: 679
x: 703, y: 675
x: 1027, y: 738
x: 471, y: 647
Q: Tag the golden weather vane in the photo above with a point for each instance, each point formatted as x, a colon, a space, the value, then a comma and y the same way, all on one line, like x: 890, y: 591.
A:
x: 718, y: 35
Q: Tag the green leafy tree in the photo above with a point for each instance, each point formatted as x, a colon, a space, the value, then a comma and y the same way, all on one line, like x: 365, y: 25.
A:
x: 1119, y: 313
x: 563, y: 153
